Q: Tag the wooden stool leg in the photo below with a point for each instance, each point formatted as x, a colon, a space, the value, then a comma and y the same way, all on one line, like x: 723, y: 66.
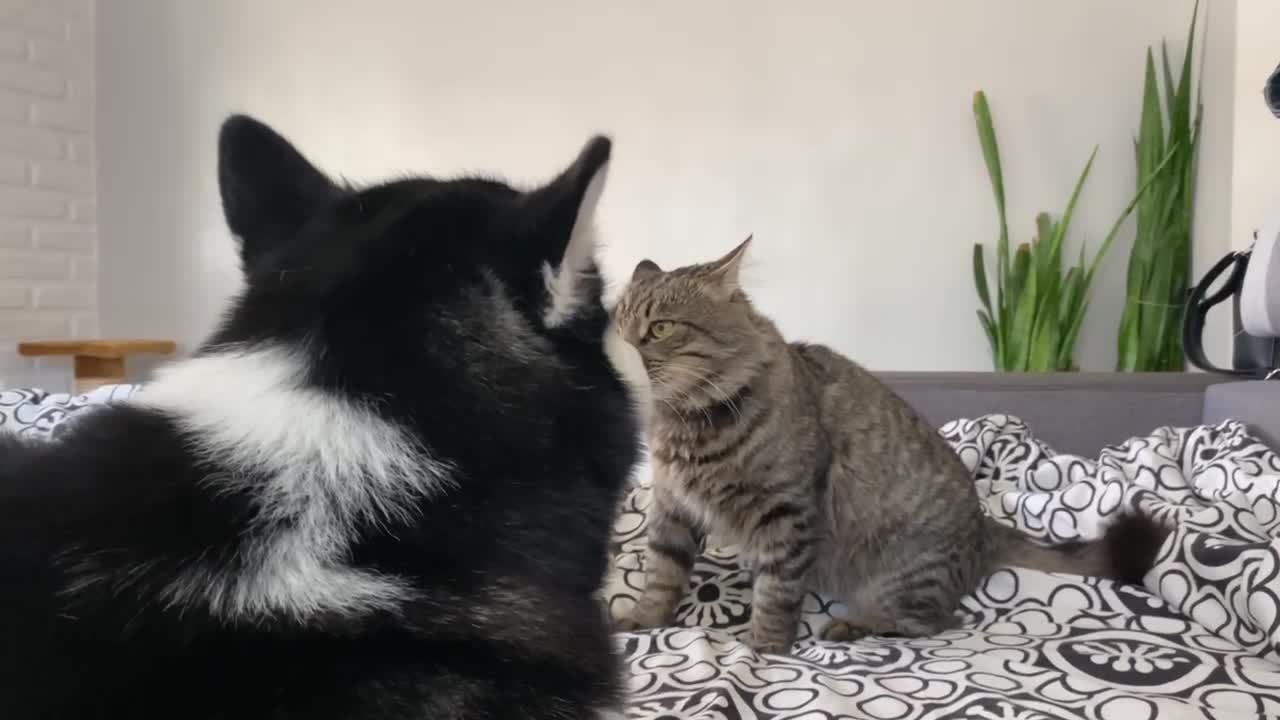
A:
x: 94, y: 372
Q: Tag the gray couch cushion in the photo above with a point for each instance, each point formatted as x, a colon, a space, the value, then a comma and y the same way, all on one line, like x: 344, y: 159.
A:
x: 1077, y: 413
x: 1256, y: 403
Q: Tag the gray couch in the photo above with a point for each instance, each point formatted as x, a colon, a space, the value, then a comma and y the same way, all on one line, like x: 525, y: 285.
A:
x: 1080, y: 413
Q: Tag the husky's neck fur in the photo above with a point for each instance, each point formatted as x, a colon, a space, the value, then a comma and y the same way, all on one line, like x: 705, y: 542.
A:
x: 318, y: 465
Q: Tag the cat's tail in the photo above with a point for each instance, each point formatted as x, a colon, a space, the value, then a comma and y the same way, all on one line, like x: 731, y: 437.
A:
x: 1125, y: 553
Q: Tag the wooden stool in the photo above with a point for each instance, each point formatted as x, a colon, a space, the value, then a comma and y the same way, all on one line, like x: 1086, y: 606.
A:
x: 97, y: 362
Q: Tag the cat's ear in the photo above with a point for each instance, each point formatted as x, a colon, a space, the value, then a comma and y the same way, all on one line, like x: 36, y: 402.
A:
x: 564, y: 213
x: 645, y: 268
x: 724, y: 273
x: 268, y: 188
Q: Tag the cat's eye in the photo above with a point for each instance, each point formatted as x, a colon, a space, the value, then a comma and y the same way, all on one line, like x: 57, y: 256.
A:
x: 662, y: 329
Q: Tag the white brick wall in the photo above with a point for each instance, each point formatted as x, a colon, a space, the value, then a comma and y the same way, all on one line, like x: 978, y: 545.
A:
x: 48, y: 239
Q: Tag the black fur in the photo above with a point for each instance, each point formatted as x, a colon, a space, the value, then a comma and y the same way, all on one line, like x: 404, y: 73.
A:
x: 402, y: 296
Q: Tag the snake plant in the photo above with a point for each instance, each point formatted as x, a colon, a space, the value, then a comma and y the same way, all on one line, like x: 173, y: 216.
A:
x: 1038, y: 309
x: 1160, y: 262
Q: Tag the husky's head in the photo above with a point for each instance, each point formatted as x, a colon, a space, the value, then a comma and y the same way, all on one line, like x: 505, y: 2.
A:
x: 463, y: 311
x: 433, y: 298
x: 326, y: 261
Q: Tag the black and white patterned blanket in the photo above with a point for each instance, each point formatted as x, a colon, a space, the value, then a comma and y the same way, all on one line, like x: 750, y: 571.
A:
x: 39, y: 413
x: 1203, y: 639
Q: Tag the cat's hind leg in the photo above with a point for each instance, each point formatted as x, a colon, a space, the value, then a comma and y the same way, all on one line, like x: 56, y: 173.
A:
x: 907, y: 596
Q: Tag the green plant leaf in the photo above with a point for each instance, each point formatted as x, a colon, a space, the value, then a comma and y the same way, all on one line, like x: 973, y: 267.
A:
x: 1150, y: 135
x: 980, y: 277
x: 1115, y: 228
x: 1043, y: 354
x: 1044, y: 229
x: 1072, y: 293
x: 985, y: 319
x: 1152, y: 335
x: 1131, y: 315
x: 1129, y: 344
x: 1060, y: 231
x: 1018, y: 274
x: 991, y: 156
x: 1024, y: 313
x: 1181, y: 115
x: 1188, y: 179
x: 1042, y: 249
x: 1072, y: 332
x: 1170, y: 87
x: 1174, y: 358
x: 990, y: 151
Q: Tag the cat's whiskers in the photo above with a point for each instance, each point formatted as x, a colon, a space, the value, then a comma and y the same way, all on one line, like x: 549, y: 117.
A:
x: 658, y: 379
x: 715, y: 389
x: 725, y: 398
x: 689, y: 401
x: 674, y: 410
x: 686, y: 397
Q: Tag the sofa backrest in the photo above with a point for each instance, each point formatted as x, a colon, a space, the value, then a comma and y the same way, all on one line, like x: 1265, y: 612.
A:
x: 1077, y: 413
x: 1255, y: 403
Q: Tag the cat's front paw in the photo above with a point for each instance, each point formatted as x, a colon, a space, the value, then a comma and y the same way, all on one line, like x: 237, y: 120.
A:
x: 767, y: 643
x: 626, y: 624
x: 641, y: 618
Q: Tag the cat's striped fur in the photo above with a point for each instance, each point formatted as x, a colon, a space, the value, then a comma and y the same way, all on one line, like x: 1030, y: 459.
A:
x: 822, y: 477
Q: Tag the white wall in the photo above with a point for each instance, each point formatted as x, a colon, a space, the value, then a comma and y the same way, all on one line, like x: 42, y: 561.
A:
x: 839, y: 133
x: 47, y: 210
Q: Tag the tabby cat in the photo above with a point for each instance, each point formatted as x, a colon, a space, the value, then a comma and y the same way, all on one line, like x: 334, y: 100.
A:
x: 822, y: 477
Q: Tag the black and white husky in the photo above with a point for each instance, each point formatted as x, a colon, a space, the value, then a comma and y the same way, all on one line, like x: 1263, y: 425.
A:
x: 382, y: 489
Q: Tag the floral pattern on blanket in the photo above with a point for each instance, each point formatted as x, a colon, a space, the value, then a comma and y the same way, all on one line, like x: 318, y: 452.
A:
x: 1203, y: 638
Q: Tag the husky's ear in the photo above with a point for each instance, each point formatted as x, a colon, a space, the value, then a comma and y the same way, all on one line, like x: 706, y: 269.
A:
x: 564, y: 214
x: 268, y: 188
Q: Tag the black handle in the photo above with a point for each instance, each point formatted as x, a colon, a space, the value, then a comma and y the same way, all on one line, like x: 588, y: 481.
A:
x: 1198, y: 310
